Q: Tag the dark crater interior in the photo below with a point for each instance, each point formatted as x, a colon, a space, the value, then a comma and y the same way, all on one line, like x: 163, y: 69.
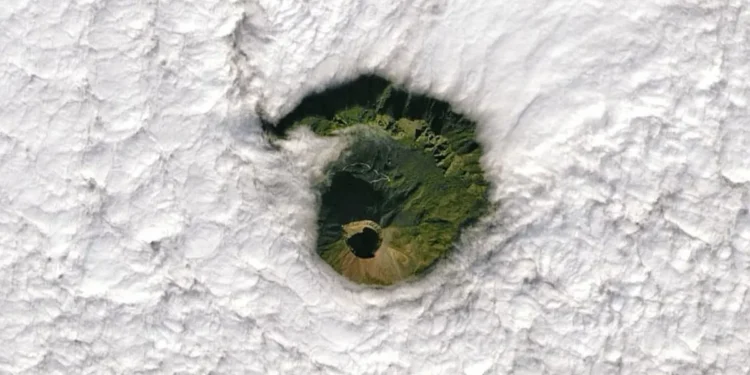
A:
x: 364, y: 244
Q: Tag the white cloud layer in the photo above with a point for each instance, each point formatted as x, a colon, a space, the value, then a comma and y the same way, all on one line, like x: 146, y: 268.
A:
x: 146, y: 226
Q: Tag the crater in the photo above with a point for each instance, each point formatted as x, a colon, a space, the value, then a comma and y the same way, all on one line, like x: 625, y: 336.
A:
x: 364, y: 244
x: 397, y: 198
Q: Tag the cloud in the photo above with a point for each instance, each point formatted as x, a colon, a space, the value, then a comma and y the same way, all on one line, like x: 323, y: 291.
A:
x: 614, y: 141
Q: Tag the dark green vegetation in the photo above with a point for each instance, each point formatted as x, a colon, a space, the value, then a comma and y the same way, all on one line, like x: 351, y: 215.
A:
x: 412, y: 168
